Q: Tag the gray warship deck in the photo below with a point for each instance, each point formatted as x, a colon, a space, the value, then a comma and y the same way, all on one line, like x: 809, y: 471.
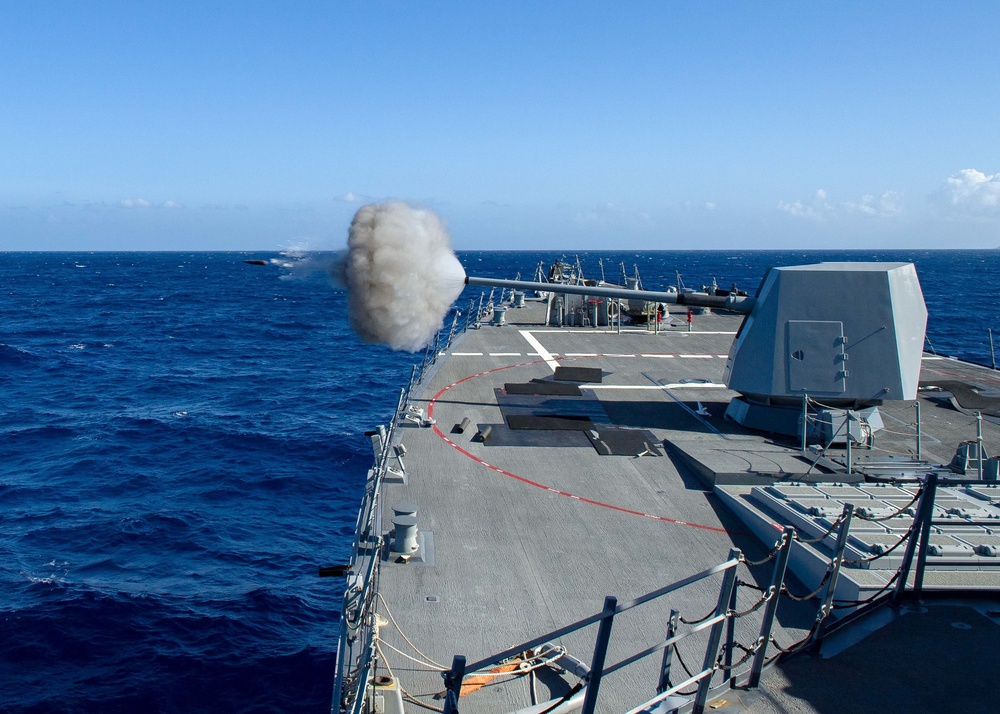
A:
x: 617, y: 490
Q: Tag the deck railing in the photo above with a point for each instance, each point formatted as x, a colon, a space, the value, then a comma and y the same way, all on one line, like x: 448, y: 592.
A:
x: 721, y: 643
x: 356, y: 640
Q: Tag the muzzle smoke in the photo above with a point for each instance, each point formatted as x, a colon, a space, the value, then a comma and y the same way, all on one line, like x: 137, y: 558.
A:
x: 401, y: 274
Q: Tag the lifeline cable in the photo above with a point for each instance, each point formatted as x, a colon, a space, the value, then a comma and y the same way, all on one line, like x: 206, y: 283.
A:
x: 810, y: 596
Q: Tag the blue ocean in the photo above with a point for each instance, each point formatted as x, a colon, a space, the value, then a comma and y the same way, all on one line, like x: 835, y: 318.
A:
x: 182, y: 446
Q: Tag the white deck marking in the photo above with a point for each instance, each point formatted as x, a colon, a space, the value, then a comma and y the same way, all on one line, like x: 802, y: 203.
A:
x: 660, y: 356
x: 466, y: 354
x: 696, y: 356
x: 663, y: 331
x: 542, y: 352
x: 678, y: 385
x: 581, y: 354
x: 505, y: 354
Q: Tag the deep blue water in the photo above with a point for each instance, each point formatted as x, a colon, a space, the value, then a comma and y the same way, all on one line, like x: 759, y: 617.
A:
x: 182, y: 444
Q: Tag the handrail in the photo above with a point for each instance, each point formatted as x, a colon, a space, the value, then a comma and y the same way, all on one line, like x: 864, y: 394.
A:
x: 597, y: 617
x: 670, y: 641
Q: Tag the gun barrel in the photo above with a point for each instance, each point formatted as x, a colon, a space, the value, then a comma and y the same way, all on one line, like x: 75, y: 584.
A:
x: 736, y: 303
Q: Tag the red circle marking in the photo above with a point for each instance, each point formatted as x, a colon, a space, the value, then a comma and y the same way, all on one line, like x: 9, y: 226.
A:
x: 528, y: 481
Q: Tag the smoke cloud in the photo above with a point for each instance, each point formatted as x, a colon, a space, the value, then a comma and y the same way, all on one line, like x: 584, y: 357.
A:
x: 401, y: 274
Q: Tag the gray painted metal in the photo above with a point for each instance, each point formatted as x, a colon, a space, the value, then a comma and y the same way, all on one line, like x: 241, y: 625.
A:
x: 736, y: 303
x: 790, y: 344
x: 774, y: 592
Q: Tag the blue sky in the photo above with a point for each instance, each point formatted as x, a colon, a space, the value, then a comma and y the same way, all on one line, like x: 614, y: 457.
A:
x: 563, y: 125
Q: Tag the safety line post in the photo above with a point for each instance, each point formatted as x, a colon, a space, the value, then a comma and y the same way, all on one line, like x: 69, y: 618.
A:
x: 668, y: 653
x: 826, y: 604
x: 767, y: 620
x: 727, y: 657
x: 805, y: 419
x: 715, y: 635
x: 600, y: 652
x: 979, y: 443
x: 848, y: 441
x: 925, y: 533
x: 437, y: 348
x: 924, y: 510
x: 453, y: 684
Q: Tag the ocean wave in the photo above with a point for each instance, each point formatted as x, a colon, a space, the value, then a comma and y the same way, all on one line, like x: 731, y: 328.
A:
x: 149, y: 653
x: 12, y: 356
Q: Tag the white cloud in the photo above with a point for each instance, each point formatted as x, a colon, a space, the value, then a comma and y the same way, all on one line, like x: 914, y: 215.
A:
x: 172, y: 204
x: 817, y: 209
x: 611, y: 215
x: 888, y: 204
x: 972, y: 191
x: 707, y: 205
x: 134, y: 203
x: 351, y: 197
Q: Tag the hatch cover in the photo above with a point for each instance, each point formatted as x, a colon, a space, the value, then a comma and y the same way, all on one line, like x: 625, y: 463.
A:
x: 816, y: 357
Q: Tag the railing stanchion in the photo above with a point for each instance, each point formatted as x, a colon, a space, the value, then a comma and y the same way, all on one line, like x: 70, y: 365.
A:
x: 715, y: 636
x: 925, y: 533
x: 979, y: 443
x: 727, y: 658
x: 805, y: 419
x: 600, y: 652
x: 767, y: 620
x: 924, y: 510
x: 826, y: 602
x: 453, y: 684
x: 668, y: 654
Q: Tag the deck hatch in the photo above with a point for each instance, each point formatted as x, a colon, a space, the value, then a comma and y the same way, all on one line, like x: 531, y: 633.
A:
x: 816, y: 356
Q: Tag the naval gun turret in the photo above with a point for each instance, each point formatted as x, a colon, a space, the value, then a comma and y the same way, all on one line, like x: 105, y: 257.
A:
x: 846, y: 335
x: 829, y: 341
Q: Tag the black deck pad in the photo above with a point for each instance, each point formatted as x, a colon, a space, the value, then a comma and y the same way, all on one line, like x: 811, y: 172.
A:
x: 967, y: 397
x: 502, y: 435
x: 540, y: 387
x: 551, y: 405
x: 611, y: 441
x: 568, y: 422
x: 579, y: 374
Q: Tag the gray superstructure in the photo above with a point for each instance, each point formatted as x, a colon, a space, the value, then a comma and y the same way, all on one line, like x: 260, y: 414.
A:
x: 532, y: 470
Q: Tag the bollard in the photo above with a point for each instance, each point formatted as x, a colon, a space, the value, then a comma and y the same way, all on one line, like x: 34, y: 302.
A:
x: 404, y: 534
